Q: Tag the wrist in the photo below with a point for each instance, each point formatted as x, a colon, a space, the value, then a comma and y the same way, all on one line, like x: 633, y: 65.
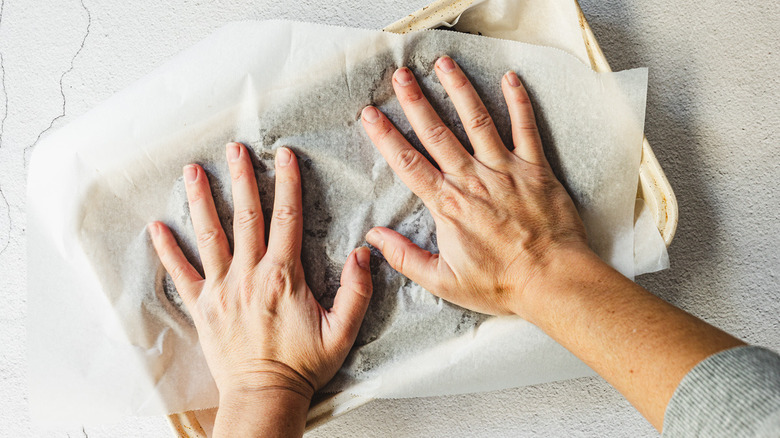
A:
x: 267, y: 411
x: 256, y: 396
x: 265, y: 377
x: 556, y: 274
x: 273, y: 400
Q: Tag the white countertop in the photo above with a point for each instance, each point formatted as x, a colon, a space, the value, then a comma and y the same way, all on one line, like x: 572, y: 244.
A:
x: 713, y: 120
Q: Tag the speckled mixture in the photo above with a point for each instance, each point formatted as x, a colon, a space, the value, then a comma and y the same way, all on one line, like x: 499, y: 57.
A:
x: 347, y: 189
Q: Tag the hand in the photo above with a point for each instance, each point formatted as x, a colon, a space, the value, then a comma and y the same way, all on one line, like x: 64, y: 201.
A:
x: 500, y: 216
x: 259, y: 325
x: 511, y: 241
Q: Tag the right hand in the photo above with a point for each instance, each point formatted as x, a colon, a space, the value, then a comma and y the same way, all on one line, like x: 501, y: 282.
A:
x: 501, y: 217
x: 511, y: 241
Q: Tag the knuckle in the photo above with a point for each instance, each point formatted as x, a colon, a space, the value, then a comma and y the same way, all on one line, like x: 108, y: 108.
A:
x: 224, y: 301
x: 414, y: 96
x: 384, y: 132
x: 396, y: 258
x: 285, y: 214
x: 407, y: 159
x: 247, y: 217
x: 363, y: 288
x: 521, y: 97
x: 208, y: 238
x: 475, y: 186
x: 545, y: 179
x: 506, y: 182
x: 450, y: 203
x: 165, y: 250
x: 480, y: 120
x: 436, y: 134
x: 449, y: 206
x: 287, y: 177
x: 177, y: 272
x: 196, y: 195
x: 277, y: 279
x: 206, y: 311
x: 240, y: 172
x: 247, y: 290
x: 213, y: 307
x: 528, y: 127
x: 460, y: 82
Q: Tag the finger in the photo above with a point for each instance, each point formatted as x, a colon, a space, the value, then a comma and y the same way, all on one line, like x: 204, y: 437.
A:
x: 248, y: 225
x: 415, y: 263
x: 488, y: 146
x: 525, y: 133
x: 411, y: 166
x: 354, y: 295
x: 284, y: 241
x: 184, y: 276
x: 212, y: 244
x: 438, y: 140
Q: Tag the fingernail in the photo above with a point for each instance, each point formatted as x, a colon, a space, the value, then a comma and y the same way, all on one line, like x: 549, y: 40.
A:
x: 375, y: 238
x: 370, y: 114
x: 446, y: 64
x: 364, y: 258
x: 512, y: 79
x: 283, y: 156
x: 233, y: 151
x: 154, y: 229
x: 190, y: 173
x: 404, y: 76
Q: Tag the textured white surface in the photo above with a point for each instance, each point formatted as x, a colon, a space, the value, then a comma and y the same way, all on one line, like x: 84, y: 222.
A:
x: 713, y: 118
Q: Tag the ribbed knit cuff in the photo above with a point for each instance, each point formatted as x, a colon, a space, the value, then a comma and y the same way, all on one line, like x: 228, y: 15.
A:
x: 734, y: 393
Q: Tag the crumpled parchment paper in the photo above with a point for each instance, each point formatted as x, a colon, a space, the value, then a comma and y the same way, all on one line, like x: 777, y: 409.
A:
x: 108, y: 335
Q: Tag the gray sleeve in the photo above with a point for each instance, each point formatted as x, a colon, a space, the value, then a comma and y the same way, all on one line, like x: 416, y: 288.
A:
x: 735, y: 393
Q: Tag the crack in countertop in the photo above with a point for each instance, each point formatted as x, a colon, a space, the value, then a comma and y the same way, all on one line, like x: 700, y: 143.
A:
x: 8, y: 212
x: 82, y: 431
x: 2, y: 82
x: 5, y: 92
x: 62, y: 91
x: 2, y: 130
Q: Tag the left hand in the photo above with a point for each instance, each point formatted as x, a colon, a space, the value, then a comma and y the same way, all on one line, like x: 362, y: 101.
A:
x: 259, y: 325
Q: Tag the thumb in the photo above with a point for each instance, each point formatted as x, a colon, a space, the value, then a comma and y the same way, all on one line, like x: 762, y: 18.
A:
x: 353, y: 296
x: 415, y: 263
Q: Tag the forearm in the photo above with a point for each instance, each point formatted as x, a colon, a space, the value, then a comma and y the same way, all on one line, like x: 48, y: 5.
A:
x: 639, y: 343
x: 264, y: 413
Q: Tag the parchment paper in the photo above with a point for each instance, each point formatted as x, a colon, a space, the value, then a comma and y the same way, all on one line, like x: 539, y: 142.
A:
x: 108, y: 335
